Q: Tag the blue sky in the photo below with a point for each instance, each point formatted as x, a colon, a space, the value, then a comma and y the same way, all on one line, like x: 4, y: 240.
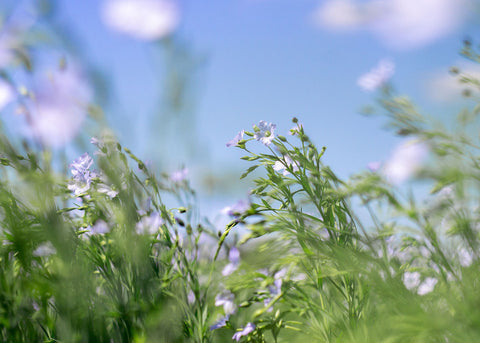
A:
x: 272, y: 60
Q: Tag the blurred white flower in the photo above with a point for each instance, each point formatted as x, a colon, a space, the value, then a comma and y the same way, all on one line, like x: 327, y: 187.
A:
x: 142, y: 19
x: 226, y: 299
x: 150, y: 224
x: 399, y: 24
x: 100, y: 228
x: 236, y: 209
x: 105, y: 189
x: 6, y: 94
x: 234, y: 141
x: 234, y: 259
x: 427, y: 286
x: 282, y: 165
x: 59, y: 107
x: 374, y: 166
x: 411, y: 280
x: 44, y: 249
x: 179, y: 175
x: 377, y: 77
x: 465, y: 257
x: 405, y: 161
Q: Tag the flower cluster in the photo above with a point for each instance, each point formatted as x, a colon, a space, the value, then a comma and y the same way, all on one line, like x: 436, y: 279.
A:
x: 82, y: 176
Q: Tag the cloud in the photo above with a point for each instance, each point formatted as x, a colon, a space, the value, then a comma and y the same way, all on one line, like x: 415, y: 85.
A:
x: 399, y: 24
x: 445, y: 87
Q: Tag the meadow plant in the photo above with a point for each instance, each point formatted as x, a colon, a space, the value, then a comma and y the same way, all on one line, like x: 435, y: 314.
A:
x: 105, y: 249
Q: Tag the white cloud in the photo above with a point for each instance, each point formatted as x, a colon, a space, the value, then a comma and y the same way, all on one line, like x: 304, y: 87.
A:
x: 399, y: 24
x: 141, y: 19
x: 444, y: 87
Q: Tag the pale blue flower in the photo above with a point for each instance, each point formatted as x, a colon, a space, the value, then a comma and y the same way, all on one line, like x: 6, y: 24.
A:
x: 44, y: 249
x: 150, y: 224
x: 264, y: 132
x: 100, y: 228
x: 82, y: 176
x: 275, y: 289
x: 237, y: 209
x: 282, y: 165
x: 103, y: 188
x: 234, y: 258
x: 225, y: 299
x: 236, y: 139
x: 179, y: 175
x: 222, y: 322
x: 245, y: 331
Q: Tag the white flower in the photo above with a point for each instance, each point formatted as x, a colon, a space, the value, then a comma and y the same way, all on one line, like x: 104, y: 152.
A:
x: 44, y: 249
x: 234, y: 258
x: 377, y: 77
x: 59, y: 107
x: 234, y: 141
x: 100, y: 228
x: 427, y: 286
x: 236, y: 209
x: 179, y: 175
x: 6, y: 94
x: 405, y: 161
x: 374, y: 166
x: 141, y: 19
x: 225, y: 299
x: 103, y: 188
x: 150, y: 224
x: 82, y: 176
x: 264, y: 132
x: 411, y: 280
x: 282, y: 165
x: 245, y: 331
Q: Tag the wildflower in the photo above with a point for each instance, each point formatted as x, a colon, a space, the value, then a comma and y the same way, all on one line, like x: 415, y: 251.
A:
x: 411, y: 280
x: 100, y: 228
x: 222, y: 322
x: 405, y: 161
x: 264, y: 132
x: 6, y: 94
x: 377, y: 77
x: 82, y: 177
x: 427, y: 286
x: 225, y: 299
x: 275, y: 289
x: 374, y: 166
x: 179, y: 175
x: 150, y: 224
x: 59, y: 107
x: 282, y: 165
x: 141, y: 19
x: 237, y: 209
x: 234, y: 141
x: 245, y: 331
x: 234, y: 258
x: 103, y: 188
x: 45, y: 249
